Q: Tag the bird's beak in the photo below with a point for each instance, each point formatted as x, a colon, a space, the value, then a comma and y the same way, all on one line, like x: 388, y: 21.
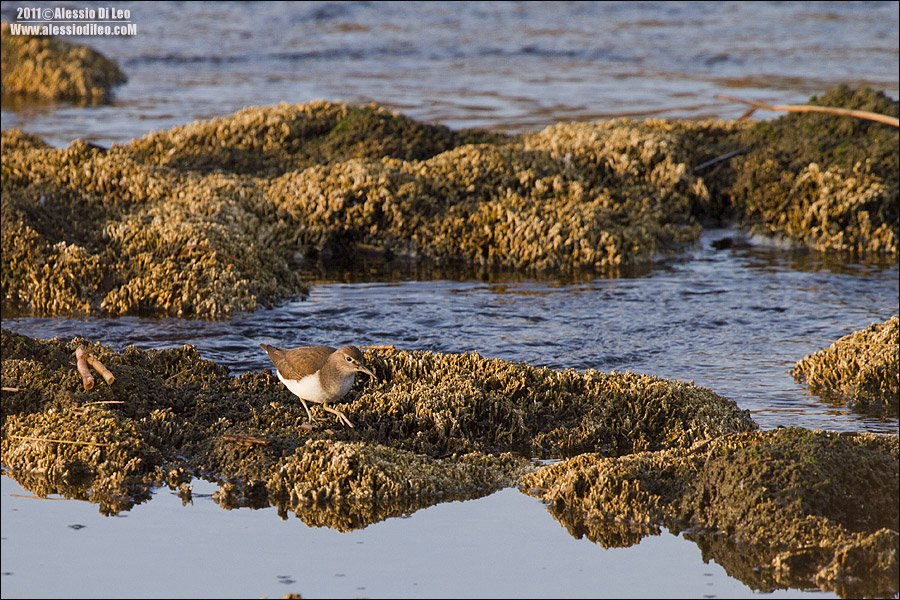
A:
x: 363, y: 369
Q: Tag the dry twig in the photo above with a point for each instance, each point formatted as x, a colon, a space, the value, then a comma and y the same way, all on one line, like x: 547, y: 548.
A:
x: 717, y: 159
x: 37, y: 439
x: 246, y: 440
x: 862, y: 114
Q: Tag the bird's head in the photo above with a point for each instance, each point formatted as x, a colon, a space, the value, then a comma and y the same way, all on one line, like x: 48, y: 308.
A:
x: 350, y: 360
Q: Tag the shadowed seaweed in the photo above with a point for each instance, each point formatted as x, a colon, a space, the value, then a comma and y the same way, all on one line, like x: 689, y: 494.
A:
x: 778, y: 509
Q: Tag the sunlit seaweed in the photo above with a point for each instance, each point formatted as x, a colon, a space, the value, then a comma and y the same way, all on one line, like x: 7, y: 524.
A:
x: 212, y: 218
x: 55, y: 69
x: 861, y: 368
x: 823, y: 181
x: 106, y: 232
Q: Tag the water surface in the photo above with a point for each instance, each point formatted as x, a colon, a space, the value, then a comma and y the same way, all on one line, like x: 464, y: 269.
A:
x: 510, y: 66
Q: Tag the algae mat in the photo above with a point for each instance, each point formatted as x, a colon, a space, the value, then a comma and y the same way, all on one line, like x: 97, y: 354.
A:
x: 55, y: 69
x: 213, y: 218
x: 210, y: 219
x: 861, y: 369
x: 433, y: 427
x: 778, y: 509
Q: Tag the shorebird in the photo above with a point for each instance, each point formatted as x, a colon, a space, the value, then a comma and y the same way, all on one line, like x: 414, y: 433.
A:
x: 318, y: 373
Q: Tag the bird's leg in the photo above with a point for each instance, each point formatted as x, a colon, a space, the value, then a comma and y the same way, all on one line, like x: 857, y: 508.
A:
x: 338, y: 413
x: 308, y: 414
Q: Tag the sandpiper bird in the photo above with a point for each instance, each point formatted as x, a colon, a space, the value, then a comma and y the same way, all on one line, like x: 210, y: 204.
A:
x: 318, y: 373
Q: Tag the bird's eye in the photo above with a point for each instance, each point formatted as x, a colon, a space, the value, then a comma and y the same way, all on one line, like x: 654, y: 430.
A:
x: 349, y: 359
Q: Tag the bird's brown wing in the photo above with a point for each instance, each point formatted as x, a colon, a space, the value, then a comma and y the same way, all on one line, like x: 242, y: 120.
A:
x: 296, y: 363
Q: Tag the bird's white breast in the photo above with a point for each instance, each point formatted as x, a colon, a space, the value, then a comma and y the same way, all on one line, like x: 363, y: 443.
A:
x: 308, y: 388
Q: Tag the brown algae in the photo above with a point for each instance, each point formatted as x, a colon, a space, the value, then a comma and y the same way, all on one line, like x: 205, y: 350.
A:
x: 861, y: 368
x: 823, y: 181
x: 55, y: 69
x: 777, y: 509
x: 211, y: 218
x: 415, y: 442
x: 122, y: 232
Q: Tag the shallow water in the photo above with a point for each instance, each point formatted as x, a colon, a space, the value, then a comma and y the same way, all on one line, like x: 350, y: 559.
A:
x: 734, y: 320
x: 500, y: 546
x: 501, y: 65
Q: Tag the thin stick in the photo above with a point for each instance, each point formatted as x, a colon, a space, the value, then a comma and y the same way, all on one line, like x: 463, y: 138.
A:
x: 249, y: 440
x: 105, y: 402
x: 862, y: 114
x: 108, y: 377
x: 384, y: 347
x: 37, y: 439
x: 181, y: 372
x: 12, y: 389
x: 717, y: 159
x: 86, y: 377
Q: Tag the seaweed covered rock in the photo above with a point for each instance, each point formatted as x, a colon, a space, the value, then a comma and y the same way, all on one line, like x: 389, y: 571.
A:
x: 825, y: 181
x: 651, y: 159
x: 55, y: 69
x: 277, y: 139
x: 209, y: 219
x: 498, y: 206
x: 216, y: 217
x: 361, y: 483
x: 459, y: 403
x: 86, y: 231
x: 415, y: 442
x: 861, y: 368
x: 777, y: 509
x: 94, y: 455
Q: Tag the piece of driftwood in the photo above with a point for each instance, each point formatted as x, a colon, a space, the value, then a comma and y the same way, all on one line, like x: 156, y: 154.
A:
x: 861, y: 114
x: 108, y: 377
x: 717, y: 160
x: 81, y: 361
